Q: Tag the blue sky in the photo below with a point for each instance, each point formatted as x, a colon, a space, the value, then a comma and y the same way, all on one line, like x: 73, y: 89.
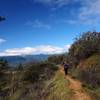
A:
x: 45, y: 26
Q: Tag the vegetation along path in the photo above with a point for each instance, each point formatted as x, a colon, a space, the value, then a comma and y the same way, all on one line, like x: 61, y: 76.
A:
x: 75, y: 85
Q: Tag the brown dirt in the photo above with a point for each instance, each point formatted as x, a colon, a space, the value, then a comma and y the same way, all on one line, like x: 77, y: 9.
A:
x: 75, y: 85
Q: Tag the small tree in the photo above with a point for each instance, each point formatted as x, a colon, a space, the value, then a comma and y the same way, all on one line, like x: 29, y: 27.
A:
x: 3, y: 64
x: 20, y: 67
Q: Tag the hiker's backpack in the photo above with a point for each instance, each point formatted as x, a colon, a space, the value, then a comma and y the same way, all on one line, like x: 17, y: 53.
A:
x: 66, y: 66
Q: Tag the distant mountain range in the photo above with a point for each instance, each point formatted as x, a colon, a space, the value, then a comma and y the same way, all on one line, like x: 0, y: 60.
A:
x: 25, y: 59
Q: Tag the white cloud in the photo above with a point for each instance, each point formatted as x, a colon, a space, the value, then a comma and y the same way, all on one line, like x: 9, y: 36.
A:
x: 43, y: 49
x: 67, y: 47
x: 38, y: 24
x: 88, y: 12
x: 70, y: 21
x: 2, y: 40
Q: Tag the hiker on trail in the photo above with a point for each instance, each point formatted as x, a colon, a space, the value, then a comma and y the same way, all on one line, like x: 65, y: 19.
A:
x: 66, y: 67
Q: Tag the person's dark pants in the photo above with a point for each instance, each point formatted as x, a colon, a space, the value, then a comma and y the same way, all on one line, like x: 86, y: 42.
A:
x: 66, y: 71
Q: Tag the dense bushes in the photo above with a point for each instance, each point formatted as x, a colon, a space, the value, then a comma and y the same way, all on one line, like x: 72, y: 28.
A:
x: 84, y: 57
x: 26, y: 82
x: 84, y: 46
x: 90, y: 70
x: 39, y: 71
x: 57, y: 59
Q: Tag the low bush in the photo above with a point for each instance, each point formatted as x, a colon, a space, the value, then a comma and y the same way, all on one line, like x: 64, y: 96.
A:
x: 37, y: 71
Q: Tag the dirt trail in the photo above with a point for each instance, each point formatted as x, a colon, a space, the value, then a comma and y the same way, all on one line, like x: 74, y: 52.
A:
x: 76, y: 86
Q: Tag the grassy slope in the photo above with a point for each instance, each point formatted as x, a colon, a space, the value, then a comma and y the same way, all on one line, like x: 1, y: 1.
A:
x: 52, y: 89
x: 57, y: 88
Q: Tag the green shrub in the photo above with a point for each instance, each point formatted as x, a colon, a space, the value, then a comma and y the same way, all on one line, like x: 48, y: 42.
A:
x: 84, y: 46
x: 3, y: 64
x: 40, y: 70
x: 84, y: 57
x: 57, y: 59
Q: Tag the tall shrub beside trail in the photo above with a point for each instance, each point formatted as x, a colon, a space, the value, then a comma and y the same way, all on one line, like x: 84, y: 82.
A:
x: 90, y: 70
x: 84, y: 57
x: 83, y: 47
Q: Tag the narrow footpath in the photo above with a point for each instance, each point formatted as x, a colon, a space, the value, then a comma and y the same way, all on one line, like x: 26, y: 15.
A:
x: 75, y: 85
